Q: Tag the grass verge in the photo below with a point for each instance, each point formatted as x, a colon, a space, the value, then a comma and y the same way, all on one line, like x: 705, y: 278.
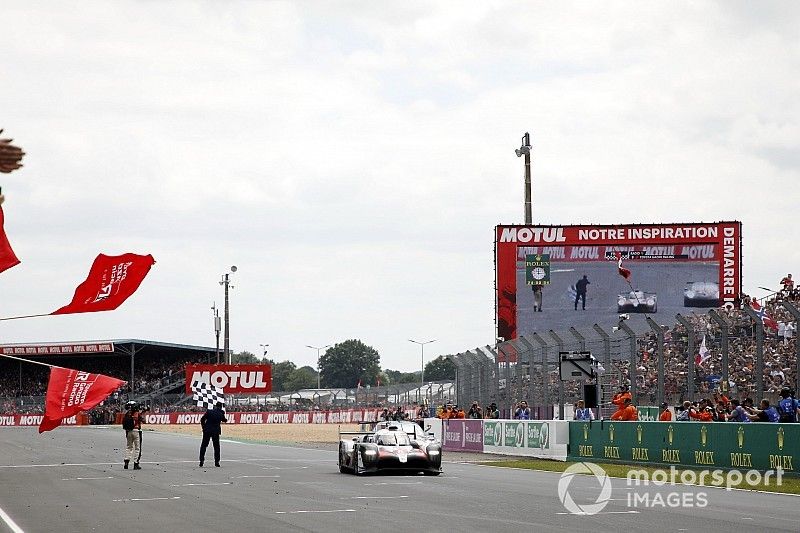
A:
x: 788, y: 484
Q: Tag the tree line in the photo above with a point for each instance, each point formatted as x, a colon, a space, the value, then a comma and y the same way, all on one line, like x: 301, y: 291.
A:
x: 346, y: 365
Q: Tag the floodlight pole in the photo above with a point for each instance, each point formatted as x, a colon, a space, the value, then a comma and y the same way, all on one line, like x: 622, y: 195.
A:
x: 525, y: 150
x: 217, y: 327
x: 318, y: 349
x: 227, y: 284
x: 422, y: 353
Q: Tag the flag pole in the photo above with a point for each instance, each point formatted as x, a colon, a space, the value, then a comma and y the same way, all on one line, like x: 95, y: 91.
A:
x: 29, y: 361
x: 24, y: 316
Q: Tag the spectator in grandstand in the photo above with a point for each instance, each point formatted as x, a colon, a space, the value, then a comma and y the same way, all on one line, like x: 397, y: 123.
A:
x: 766, y: 413
x: 447, y: 412
x: 666, y: 414
x: 788, y: 407
x: 788, y: 332
x: 788, y: 284
x: 458, y: 413
x: 385, y: 416
x: 522, y: 412
x: 422, y: 412
x: 210, y: 422
x: 582, y: 412
x: 580, y: 291
x: 628, y: 413
x: 399, y: 415
x: 475, y: 411
x: 702, y: 413
x: 492, y: 412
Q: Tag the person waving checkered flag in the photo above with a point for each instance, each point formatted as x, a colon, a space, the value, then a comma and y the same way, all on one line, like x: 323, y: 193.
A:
x: 207, y: 396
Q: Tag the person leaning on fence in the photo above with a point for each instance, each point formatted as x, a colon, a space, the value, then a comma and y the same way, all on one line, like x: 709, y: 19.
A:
x: 492, y: 412
x: 582, y: 412
x: 628, y: 413
x: 475, y: 411
x: 788, y: 406
x: 666, y: 414
x: 767, y: 413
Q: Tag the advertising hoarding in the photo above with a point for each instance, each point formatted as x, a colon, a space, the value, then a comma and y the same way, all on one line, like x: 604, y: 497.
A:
x: 239, y: 379
x: 675, y: 268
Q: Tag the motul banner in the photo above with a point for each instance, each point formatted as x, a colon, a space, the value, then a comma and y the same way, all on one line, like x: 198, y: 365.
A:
x: 246, y: 379
x: 31, y: 420
x: 344, y: 416
x: 59, y: 349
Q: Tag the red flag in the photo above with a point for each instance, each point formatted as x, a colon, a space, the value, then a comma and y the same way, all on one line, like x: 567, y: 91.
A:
x: 7, y: 257
x: 762, y: 314
x: 112, y: 279
x: 71, y: 391
x: 624, y: 272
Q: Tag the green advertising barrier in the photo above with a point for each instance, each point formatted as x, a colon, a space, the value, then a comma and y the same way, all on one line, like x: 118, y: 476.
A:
x: 759, y: 446
x: 648, y: 414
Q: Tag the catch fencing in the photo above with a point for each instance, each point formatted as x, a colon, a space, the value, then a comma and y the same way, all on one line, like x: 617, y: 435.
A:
x: 728, y: 351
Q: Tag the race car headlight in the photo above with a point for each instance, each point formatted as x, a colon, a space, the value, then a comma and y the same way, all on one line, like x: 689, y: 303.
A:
x: 434, y: 452
x: 621, y: 302
x: 370, y: 453
x: 650, y: 301
x: 690, y: 294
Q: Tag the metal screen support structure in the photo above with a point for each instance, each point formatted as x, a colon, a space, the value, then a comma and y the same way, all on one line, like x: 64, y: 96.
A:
x: 132, y: 354
x: 660, y: 351
x: 581, y: 339
x: 496, y: 381
x: 759, y: 370
x: 796, y: 314
x: 689, y: 355
x: 560, y: 344
x: 507, y: 376
x: 632, y: 360
x: 723, y: 327
x: 545, y: 371
x: 606, y: 346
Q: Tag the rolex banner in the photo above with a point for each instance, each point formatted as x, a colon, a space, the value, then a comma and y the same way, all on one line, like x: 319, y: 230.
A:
x: 537, y: 269
x: 693, y: 444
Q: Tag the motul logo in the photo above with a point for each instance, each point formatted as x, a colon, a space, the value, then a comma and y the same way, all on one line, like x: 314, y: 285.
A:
x: 232, y: 379
x: 189, y: 418
x: 156, y: 419
x: 27, y: 420
x: 7, y: 421
x: 251, y: 418
x: 301, y: 418
x: 532, y: 234
x: 278, y: 418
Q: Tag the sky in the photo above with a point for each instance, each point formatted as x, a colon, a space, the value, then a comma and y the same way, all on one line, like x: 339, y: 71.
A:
x: 351, y: 158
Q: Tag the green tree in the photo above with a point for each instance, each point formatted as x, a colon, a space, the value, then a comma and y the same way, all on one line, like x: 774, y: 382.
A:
x: 301, y: 378
x: 245, y: 358
x: 440, y: 369
x: 280, y: 374
x: 344, y: 364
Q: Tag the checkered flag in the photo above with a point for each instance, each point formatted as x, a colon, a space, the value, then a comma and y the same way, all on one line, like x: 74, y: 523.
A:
x: 207, y: 395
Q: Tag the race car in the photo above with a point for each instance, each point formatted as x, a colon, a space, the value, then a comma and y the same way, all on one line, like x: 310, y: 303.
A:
x: 389, y: 448
x: 701, y: 294
x: 637, y: 302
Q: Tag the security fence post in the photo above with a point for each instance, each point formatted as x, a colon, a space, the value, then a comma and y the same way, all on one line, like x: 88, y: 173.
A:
x: 560, y: 344
x: 581, y: 339
x: 545, y: 373
x: 689, y: 355
x: 660, y: 351
x: 632, y: 364
x: 796, y: 314
x: 723, y: 327
x: 529, y: 349
x: 759, y: 329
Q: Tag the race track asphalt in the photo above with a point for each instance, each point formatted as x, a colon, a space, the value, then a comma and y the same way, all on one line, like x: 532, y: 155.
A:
x: 71, y: 479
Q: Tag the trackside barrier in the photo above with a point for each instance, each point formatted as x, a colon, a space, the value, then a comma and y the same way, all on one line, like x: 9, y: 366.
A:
x: 546, y: 439
x: 35, y: 420
x: 346, y: 416
x: 758, y: 446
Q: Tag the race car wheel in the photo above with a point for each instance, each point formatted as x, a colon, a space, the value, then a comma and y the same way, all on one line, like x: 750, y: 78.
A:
x: 429, y: 473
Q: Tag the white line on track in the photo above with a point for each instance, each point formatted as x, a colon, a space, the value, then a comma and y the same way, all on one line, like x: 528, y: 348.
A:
x: 202, y: 484
x: 602, y: 512
x: 284, y: 467
x: 146, y: 499
x: 241, y: 477
x: 374, y: 497
x: 10, y: 523
x: 394, y: 483
x: 82, y: 478
x: 330, y: 511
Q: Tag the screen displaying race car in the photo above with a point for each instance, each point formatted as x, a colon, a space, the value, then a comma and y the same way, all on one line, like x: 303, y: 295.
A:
x: 701, y: 294
x: 390, y: 448
x: 637, y: 302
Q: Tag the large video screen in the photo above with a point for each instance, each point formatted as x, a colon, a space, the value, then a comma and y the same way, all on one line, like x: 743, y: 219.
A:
x: 555, y: 277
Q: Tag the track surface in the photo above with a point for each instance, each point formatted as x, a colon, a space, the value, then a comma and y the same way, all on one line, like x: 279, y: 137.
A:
x: 72, y: 479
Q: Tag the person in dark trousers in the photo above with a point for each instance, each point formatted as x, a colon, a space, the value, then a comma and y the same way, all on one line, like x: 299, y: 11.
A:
x: 132, y: 424
x: 580, y: 292
x: 210, y: 422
